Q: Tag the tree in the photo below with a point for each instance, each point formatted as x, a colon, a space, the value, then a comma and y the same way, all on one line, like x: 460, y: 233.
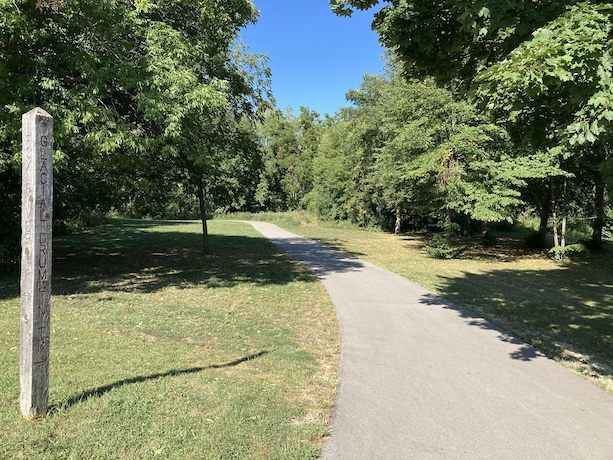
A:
x: 441, y: 157
x: 558, y: 86
x: 452, y: 39
x: 204, y: 92
x: 557, y: 90
x: 341, y: 167
x: 77, y: 61
x: 161, y: 81
x: 542, y: 69
x: 290, y: 143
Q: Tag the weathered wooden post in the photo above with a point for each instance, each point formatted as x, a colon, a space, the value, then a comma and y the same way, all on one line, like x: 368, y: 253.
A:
x: 36, y: 207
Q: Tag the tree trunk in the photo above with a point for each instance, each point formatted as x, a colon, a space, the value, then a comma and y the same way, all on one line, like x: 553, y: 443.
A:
x: 556, y: 239
x: 563, y: 231
x: 448, y: 215
x: 487, y: 228
x: 398, y: 221
x: 599, y: 220
x: 205, y: 232
x: 466, y: 230
x: 545, y: 212
x: 564, y: 212
x: 447, y: 229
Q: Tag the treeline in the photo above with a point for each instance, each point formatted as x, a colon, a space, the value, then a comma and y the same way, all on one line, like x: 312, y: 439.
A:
x: 410, y: 154
x: 541, y: 71
x: 406, y: 154
x: 486, y: 116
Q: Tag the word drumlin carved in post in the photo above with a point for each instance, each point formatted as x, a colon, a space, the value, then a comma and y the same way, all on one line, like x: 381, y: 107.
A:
x: 36, y: 233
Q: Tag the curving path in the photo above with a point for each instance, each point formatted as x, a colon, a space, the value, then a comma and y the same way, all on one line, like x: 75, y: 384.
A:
x: 421, y: 378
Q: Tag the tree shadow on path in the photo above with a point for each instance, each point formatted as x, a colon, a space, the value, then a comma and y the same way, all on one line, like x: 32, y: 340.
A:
x: 319, y: 258
x: 557, y: 311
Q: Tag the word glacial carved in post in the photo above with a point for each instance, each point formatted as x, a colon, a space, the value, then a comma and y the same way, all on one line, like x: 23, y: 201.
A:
x: 36, y: 233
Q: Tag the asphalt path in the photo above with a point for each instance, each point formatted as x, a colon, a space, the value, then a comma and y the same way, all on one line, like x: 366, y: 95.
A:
x: 421, y: 378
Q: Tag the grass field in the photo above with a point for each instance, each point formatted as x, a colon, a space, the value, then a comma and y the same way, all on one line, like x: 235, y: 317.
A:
x: 160, y: 352
x: 566, y: 310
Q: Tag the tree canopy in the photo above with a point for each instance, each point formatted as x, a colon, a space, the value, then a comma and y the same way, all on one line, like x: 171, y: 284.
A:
x: 131, y: 85
x: 486, y: 110
x: 518, y: 56
x: 543, y: 70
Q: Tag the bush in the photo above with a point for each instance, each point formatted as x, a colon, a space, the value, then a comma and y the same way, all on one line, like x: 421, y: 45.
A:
x: 451, y: 229
x: 534, y: 241
x: 439, y: 248
x: 489, y: 239
x: 560, y: 253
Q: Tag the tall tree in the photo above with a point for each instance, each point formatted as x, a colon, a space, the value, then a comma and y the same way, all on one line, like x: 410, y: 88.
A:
x: 290, y: 143
x: 452, y: 39
x: 129, y: 80
x: 79, y: 61
x: 542, y: 68
x: 442, y: 154
x: 205, y: 92
x: 341, y: 169
x: 556, y: 91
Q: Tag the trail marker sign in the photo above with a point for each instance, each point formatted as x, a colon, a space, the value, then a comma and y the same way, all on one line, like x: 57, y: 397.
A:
x: 36, y: 231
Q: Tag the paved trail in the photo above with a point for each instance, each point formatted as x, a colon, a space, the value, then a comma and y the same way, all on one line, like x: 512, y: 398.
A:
x: 421, y: 378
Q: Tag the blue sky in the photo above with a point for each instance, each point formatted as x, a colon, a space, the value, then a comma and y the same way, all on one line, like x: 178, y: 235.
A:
x: 315, y: 56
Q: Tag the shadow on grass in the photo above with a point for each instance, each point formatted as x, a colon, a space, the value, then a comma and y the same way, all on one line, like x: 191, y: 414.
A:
x: 100, y: 391
x: 555, y: 310
x: 147, y: 256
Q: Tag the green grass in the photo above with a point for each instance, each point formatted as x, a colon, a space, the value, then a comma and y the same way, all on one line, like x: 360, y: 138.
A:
x: 160, y: 352
x: 566, y: 310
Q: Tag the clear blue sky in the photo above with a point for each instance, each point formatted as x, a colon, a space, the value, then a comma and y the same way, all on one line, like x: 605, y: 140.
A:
x: 315, y: 56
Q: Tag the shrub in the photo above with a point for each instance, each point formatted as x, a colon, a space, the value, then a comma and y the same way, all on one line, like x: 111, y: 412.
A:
x: 559, y: 253
x: 489, y: 239
x: 439, y: 248
x: 534, y: 241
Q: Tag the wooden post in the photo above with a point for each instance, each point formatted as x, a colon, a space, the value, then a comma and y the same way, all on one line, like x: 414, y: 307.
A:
x: 36, y: 213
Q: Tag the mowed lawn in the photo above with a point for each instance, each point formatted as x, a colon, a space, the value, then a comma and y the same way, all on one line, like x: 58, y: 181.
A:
x: 160, y: 352
x: 564, y: 310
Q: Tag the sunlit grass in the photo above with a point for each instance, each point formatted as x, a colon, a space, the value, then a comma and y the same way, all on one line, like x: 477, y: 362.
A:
x: 160, y: 352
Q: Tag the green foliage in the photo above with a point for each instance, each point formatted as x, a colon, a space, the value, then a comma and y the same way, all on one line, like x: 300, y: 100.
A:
x: 407, y: 151
x: 342, y: 166
x: 451, y: 229
x: 559, y: 253
x: 543, y: 70
x: 559, y: 83
x: 440, y: 153
x: 606, y: 169
x: 546, y: 67
x: 290, y: 144
x: 438, y: 246
x: 144, y: 95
